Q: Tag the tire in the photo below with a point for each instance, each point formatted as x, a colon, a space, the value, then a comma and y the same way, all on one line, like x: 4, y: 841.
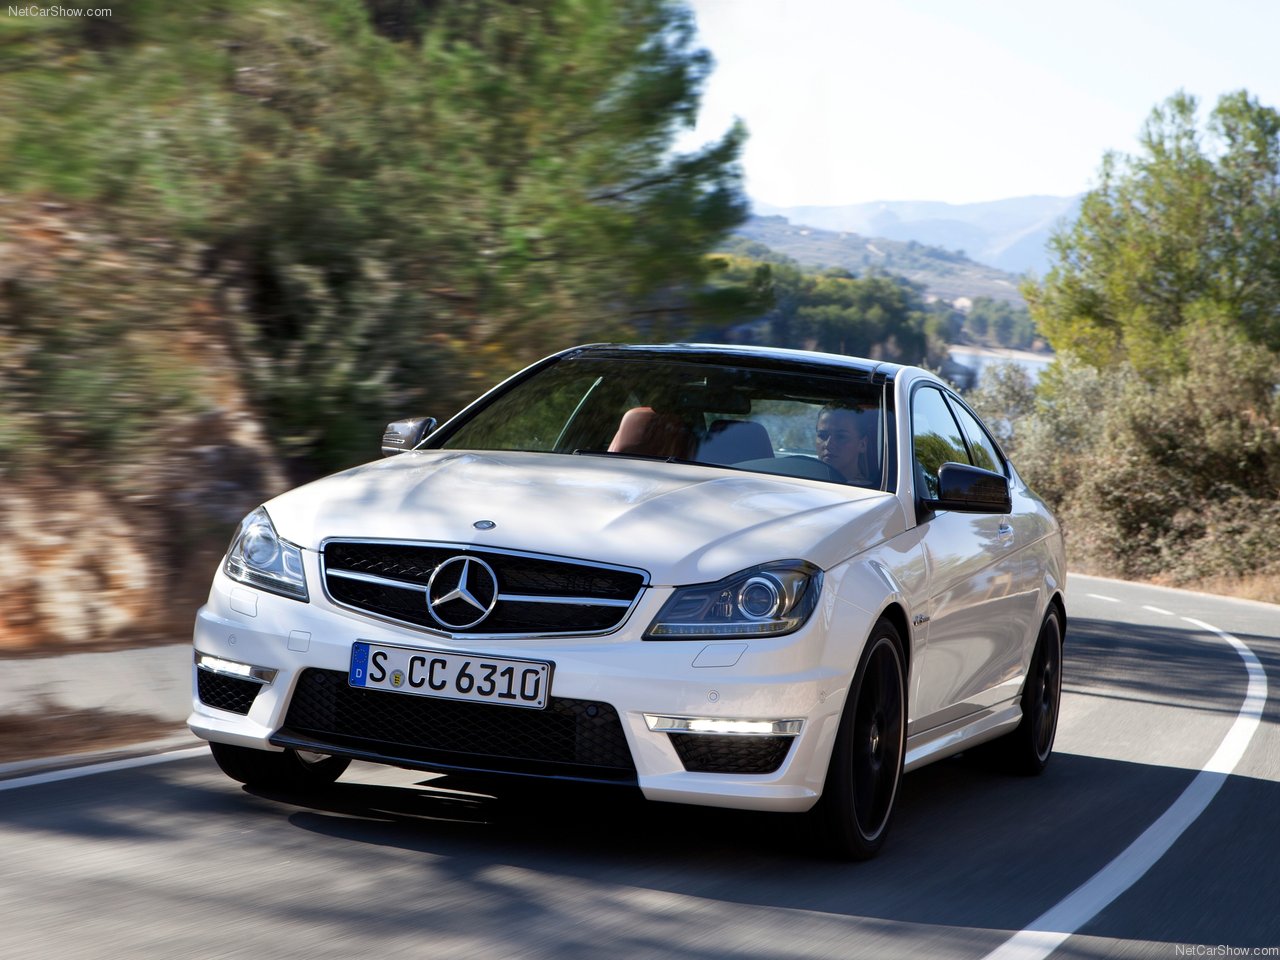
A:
x: 1026, y: 751
x: 853, y: 815
x: 287, y: 770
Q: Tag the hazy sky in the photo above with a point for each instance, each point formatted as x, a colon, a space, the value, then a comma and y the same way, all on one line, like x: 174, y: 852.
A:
x: 849, y: 101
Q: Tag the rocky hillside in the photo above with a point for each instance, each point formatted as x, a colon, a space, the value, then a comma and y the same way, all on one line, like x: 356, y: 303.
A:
x: 115, y: 548
x: 945, y: 274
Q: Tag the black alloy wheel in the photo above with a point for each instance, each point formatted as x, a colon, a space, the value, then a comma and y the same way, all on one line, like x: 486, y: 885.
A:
x: 1026, y: 751
x: 857, y: 803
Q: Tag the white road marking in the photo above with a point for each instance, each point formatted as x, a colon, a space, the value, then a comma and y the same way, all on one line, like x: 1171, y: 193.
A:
x: 1098, y: 596
x: 1159, y: 610
x: 73, y: 773
x: 1048, y: 931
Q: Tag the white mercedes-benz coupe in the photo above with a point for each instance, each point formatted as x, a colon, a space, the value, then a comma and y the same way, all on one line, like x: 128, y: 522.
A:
x: 741, y: 577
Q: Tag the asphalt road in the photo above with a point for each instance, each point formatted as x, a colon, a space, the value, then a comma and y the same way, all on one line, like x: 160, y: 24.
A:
x: 1124, y: 848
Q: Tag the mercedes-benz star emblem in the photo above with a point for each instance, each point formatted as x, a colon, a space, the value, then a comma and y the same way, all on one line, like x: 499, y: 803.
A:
x: 461, y: 592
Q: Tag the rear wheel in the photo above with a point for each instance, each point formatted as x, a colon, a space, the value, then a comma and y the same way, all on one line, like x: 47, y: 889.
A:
x: 286, y: 770
x: 1027, y: 749
x: 853, y: 814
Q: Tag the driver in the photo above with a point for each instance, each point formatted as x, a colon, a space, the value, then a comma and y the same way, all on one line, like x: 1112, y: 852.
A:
x: 841, y: 443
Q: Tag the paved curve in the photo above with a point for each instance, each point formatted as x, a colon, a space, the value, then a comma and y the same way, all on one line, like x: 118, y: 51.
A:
x: 173, y: 861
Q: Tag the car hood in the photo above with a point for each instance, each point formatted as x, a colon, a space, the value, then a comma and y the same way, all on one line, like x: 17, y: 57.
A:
x: 681, y: 523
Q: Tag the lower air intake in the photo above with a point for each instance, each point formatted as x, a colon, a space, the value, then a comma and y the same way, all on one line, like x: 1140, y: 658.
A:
x: 709, y: 753
x: 580, y: 739
x: 226, y: 693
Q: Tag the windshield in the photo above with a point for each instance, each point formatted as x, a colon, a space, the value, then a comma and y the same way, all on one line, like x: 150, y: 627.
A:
x: 744, y: 418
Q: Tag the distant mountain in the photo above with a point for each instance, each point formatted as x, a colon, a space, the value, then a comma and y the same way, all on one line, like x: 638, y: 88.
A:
x: 1009, y: 234
x: 945, y: 274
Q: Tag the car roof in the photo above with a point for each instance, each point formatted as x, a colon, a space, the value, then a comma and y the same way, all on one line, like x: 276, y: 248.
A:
x: 770, y: 357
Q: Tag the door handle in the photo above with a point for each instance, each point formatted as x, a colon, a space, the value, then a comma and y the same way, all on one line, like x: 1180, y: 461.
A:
x: 1006, y: 531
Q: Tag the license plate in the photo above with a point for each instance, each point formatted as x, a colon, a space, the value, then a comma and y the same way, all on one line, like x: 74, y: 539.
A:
x: 450, y: 676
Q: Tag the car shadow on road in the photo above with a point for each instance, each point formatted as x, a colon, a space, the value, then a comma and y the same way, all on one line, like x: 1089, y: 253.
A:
x: 970, y: 849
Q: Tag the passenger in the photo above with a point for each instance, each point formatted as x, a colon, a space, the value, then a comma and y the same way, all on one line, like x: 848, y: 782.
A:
x: 841, y: 443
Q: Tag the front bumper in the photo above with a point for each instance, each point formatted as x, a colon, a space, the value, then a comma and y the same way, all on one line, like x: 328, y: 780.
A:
x: 682, y: 720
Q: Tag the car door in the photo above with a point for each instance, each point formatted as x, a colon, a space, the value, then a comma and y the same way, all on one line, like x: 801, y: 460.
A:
x: 1024, y: 602
x: 971, y: 655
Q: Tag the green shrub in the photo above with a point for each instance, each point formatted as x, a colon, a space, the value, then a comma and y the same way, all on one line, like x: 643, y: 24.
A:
x: 93, y: 374
x: 1177, y: 479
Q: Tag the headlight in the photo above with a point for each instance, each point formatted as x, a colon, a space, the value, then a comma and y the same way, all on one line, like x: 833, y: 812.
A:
x: 765, y: 601
x: 261, y: 559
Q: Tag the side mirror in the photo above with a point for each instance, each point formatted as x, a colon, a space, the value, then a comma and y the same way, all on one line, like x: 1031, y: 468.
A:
x: 971, y: 490
x: 404, y: 435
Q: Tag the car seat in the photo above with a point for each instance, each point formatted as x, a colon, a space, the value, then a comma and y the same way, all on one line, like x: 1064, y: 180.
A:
x: 643, y: 431
x: 733, y: 441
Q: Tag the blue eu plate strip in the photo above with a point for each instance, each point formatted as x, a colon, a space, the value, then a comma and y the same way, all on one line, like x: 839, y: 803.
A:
x: 359, y: 664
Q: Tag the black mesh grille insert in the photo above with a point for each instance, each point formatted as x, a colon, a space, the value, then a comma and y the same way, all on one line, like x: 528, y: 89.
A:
x: 517, y: 575
x: 226, y: 693
x: 570, y: 738
x: 709, y: 753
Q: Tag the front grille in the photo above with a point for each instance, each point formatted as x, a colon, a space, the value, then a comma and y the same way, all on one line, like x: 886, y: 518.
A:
x: 537, y: 595
x: 226, y: 693
x: 570, y: 738
x: 710, y: 753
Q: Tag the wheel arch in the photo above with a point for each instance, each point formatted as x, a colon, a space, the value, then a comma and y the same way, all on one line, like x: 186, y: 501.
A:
x: 873, y: 591
x: 896, y: 614
x: 1056, y: 602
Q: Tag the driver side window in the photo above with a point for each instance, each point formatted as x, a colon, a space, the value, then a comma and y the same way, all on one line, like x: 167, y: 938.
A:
x: 935, y: 439
x: 985, y: 453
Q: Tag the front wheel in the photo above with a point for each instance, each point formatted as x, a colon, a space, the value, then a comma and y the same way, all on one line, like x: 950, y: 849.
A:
x: 284, y: 770
x: 853, y: 814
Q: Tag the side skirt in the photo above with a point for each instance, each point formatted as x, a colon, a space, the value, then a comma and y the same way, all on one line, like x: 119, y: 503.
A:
x: 924, y: 748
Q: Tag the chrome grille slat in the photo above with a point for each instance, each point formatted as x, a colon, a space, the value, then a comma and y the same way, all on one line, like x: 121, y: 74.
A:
x: 568, y: 601
x: 389, y: 580
x: 369, y: 578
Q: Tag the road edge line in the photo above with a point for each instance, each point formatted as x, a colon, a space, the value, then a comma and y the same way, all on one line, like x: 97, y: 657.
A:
x: 1052, y: 928
x: 110, y: 766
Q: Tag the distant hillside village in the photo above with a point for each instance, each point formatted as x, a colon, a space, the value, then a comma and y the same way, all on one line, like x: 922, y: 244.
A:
x: 903, y: 300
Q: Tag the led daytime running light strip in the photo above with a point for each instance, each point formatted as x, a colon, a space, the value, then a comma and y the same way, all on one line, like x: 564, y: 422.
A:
x: 736, y: 628
x: 724, y: 726
x: 232, y: 668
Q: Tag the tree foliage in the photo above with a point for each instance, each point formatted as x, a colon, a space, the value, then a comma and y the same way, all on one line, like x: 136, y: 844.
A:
x: 1187, y: 230
x: 1184, y: 479
x: 1001, y: 323
x: 387, y: 205
x: 1178, y: 478
x: 878, y: 315
x: 1157, y: 432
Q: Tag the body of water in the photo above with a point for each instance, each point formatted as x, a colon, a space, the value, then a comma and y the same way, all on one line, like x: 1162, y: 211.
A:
x: 976, y: 358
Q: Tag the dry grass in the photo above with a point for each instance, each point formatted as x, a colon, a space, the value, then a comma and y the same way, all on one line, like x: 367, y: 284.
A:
x: 1264, y: 587
x: 58, y: 731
